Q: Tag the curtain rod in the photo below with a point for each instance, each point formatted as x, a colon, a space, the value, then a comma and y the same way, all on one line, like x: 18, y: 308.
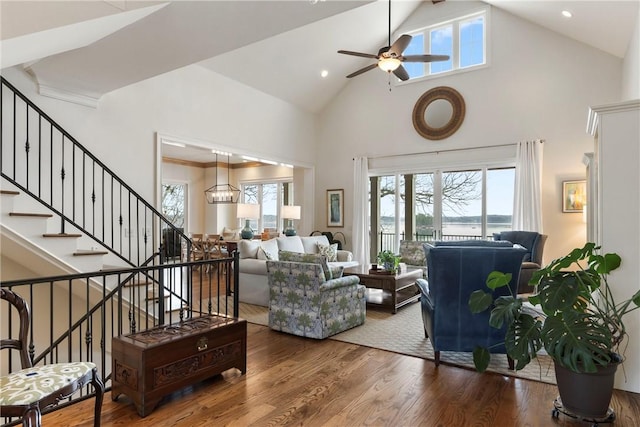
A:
x: 449, y: 150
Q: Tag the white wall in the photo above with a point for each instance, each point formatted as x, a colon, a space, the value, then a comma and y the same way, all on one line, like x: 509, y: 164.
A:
x: 631, y: 67
x: 190, y: 102
x: 538, y: 85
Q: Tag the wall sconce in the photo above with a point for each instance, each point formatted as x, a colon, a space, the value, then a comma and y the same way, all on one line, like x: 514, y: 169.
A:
x: 248, y: 212
x: 290, y: 213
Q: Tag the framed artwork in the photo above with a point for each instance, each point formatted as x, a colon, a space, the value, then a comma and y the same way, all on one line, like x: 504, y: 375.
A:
x: 574, y: 195
x: 335, y: 208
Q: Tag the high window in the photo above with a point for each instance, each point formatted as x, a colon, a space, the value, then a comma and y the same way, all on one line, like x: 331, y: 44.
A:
x: 463, y: 39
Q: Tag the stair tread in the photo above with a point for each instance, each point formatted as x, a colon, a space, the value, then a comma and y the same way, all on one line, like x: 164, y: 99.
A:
x: 82, y: 252
x: 31, y: 214
x: 61, y: 235
x: 9, y: 192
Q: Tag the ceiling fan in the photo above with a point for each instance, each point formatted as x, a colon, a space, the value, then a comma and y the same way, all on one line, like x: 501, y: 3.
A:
x: 390, y: 57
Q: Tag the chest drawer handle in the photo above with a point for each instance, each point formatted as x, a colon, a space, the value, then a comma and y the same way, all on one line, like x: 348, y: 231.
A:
x: 202, y: 344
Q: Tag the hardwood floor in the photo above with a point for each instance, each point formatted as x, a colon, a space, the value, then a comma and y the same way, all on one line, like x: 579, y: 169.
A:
x: 297, y: 381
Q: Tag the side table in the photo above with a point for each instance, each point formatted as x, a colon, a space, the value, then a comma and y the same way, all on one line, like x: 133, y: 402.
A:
x: 390, y: 291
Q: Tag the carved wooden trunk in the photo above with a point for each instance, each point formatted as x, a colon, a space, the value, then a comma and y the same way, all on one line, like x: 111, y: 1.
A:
x: 151, y: 364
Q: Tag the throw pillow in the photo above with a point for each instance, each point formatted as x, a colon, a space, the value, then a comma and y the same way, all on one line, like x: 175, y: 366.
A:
x: 269, y: 249
x: 248, y: 248
x: 330, y: 251
x: 308, y: 258
x: 266, y: 255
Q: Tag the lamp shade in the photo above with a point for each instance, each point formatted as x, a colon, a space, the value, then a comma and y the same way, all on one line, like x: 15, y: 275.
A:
x: 290, y: 212
x: 248, y: 210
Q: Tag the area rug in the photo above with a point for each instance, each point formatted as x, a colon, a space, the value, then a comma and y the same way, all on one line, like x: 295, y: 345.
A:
x: 403, y: 333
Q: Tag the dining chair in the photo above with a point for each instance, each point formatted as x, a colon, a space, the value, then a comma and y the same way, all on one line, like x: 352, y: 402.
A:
x: 27, y: 392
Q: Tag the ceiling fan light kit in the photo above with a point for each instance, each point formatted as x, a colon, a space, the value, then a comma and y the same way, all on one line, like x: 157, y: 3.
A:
x: 389, y: 64
x: 390, y: 57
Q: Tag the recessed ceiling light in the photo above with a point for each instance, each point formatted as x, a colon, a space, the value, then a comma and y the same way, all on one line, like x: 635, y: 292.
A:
x: 324, y: 73
x: 567, y: 14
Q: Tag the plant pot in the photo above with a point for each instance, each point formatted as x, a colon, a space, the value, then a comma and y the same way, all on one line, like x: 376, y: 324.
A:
x: 587, y: 395
x: 388, y: 266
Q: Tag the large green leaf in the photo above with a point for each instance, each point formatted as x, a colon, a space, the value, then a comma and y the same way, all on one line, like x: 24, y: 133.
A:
x: 481, y: 358
x: 604, y: 264
x: 523, y: 339
x: 479, y: 301
x: 498, y: 279
x: 577, y: 341
x: 559, y: 293
x: 505, y: 310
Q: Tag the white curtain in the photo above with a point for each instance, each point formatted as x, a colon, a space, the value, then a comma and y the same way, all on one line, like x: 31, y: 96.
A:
x: 360, y: 210
x: 527, y: 207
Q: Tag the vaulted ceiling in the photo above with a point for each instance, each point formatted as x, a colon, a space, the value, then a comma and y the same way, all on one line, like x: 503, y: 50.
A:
x: 85, y: 49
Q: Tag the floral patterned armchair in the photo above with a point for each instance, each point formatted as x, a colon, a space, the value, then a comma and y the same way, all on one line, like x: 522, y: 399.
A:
x: 412, y: 253
x: 304, y: 302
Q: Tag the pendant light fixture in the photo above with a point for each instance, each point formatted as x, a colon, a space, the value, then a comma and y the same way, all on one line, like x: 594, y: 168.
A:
x: 222, y: 193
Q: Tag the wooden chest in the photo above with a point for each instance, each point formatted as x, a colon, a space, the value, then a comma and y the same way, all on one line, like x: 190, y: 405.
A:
x: 151, y: 364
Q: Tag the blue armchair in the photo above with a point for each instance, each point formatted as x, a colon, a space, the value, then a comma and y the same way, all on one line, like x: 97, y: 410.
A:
x: 453, y: 273
x: 533, y: 242
x: 305, y: 300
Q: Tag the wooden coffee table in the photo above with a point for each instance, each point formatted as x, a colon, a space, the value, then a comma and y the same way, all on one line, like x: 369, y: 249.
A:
x: 387, y: 290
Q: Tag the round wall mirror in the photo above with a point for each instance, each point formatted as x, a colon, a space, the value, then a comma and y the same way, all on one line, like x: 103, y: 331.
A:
x: 438, y: 113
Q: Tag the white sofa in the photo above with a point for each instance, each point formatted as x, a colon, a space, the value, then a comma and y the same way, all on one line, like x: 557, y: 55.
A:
x: 253, y: 284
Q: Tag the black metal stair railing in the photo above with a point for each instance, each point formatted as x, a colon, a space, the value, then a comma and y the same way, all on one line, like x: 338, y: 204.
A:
x: 74, y: 320
x: 43, y: 160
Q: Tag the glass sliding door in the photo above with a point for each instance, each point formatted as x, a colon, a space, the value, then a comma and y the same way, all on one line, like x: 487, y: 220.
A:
x: 424, y: 207
x: 444, y: 205
x: 387, y: 204
x: 500, y: 185
x: 461, y: 205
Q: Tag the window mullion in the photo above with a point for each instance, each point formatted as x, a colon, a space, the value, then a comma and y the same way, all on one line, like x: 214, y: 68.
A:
x: 455, y: 48
x: 437, y: 204
x: 484, y: 203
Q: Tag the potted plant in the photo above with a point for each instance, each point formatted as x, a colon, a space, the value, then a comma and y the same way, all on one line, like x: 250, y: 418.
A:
x: 389, y: 261
x: 578, y: 322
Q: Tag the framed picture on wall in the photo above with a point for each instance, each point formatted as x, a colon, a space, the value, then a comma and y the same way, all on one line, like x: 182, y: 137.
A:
x: 574, y: 196
x: 335, y: 208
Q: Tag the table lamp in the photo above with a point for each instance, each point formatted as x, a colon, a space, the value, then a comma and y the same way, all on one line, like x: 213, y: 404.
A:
x: 290, y: 213
x: 248, y: 212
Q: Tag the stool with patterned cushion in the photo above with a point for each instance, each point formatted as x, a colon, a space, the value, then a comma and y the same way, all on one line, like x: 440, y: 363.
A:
x: 27, y: 392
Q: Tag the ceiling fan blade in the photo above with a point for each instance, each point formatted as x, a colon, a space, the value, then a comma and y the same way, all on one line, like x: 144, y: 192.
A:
x: 400, y: 45
x: 362, y: 70
x: 364, y: 55
x: 425, y: 58
x: 401, y: 73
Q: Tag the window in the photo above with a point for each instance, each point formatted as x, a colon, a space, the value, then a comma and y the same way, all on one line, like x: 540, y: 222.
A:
x: 441, y: 43
x: 174, y: 202
x: 463, y: 39
x: 270, y: 196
